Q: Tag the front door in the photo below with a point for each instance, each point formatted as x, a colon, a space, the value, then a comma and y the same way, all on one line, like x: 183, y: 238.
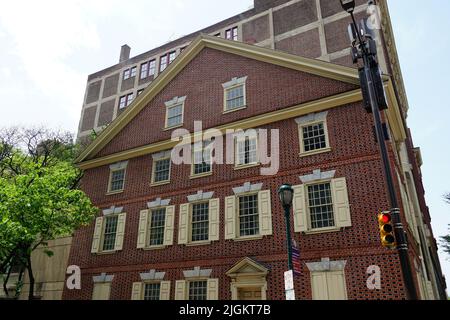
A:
x: 253, y: 293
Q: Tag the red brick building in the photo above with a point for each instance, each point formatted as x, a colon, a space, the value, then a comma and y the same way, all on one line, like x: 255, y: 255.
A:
x: 172, y: 231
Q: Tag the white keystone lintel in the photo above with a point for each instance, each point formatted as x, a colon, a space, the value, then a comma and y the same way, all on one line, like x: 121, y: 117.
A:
x: 197, y: 273
x: 161, y: 155
x: 152, y: 275
x: 200, y: 196
x: 234, y: 82
x: 103, y: 278
x: 248, y: 187
x: 112, y: 210
x: 119, y: 165
x: 158, y: 203
x: 326, y: 265
x: 175, y: 101
x: 317, y: 175
x: 313, y: 117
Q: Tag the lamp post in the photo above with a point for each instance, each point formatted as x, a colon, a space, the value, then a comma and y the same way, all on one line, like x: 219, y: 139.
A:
x: 286, y: 194
x: 364, y: 47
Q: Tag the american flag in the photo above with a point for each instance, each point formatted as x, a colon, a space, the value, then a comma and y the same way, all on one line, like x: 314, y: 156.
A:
x: 296, y: 259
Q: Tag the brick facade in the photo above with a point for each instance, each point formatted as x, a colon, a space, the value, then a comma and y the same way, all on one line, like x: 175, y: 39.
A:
x: 354, y: 155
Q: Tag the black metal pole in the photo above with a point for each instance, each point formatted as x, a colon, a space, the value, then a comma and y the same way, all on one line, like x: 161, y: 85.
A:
x: 288, y: 236
x: 402, y: 245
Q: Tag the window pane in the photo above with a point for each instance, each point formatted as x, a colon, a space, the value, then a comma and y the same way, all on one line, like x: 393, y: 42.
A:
x: 314, y: 137
x: 117, y: 180
x: 109, y: 235
x: 247, y: 150
x: 197, y: 290
x: 172, y: 56
x: 202, y: 161
x: 157, y: 227
x: 152, y: 68
x: 248, y: 215
x: 133, y: 72
x: 200, y: 222
x: 122, y: 102
x: 163, y: 63
x: 144, y: 70
x: 151, y: 291
x: 235, y: 97
x: 162, y: 168
x: 130, y: 98
x: 321, y: 206
x: 126, y: 74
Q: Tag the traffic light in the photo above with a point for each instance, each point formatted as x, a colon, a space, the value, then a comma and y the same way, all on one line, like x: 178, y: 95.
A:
x: 386, y: 230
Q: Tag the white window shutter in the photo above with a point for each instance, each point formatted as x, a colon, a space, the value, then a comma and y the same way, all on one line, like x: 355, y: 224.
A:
x: 101, y: 291
x: 230, y: 217
x: 336, y: 285
x: 143, y: 229
x: 213, y: 289
x: 319, y: 286
x: 136, y: 292
x: 180, y: 290
x: 265, y: 213
x: 169, y: 225
x: 164, y: 292
x: 300, y: 209
x: 98, y: 229
x: 183, y: 224
x: 120, y: 231
x: 340, y: 203
x: 214, y: 221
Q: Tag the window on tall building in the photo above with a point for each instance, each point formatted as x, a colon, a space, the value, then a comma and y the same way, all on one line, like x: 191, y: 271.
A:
x: 148, y: 69
x: 166, y: 59
x: 232, y: 34
x: 248, y: 215
x: 117, y: 180
x: 139, y: 92
x: 126, y: 100
x: 129, y: 73
x: 156, y: 227
x: 198, y: 290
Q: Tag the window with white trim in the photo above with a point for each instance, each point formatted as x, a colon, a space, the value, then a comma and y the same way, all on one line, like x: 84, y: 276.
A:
x: 248, y: 215
x: 117, y: 180
x: 174, y: 116
x: 246, y: 150
x: 313, y: 133
x: 202, y: 162
x: 235, y: 94
x: 198, y: 290
x: 152, y: 291
x: 156, y: 227
x: 200, y: 222
x: 109, y: 233
x: 321, y: 206
x: 161, y: 170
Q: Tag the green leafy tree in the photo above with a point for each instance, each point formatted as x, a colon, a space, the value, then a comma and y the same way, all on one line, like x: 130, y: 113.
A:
x: 445, y: 241
x: 40, y: 198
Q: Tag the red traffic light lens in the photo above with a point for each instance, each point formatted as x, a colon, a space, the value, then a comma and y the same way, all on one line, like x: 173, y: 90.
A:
x: 385, y: 218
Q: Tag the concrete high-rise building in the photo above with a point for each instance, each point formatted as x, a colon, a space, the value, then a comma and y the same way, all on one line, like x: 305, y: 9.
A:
x: 216, y: 231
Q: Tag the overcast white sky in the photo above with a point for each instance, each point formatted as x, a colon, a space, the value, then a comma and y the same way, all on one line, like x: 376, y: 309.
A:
x: 49, y: 47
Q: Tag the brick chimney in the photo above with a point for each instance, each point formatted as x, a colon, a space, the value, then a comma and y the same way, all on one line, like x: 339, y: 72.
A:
x: 124, y: 53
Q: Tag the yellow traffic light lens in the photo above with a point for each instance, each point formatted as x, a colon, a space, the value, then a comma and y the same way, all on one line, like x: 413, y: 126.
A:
x: 387, y: 228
